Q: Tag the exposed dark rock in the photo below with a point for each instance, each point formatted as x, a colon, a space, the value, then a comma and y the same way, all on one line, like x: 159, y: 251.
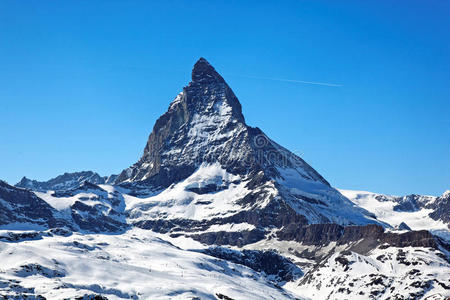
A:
x: 268, y: 262
x: 441, y: 208
x: 235, y: 238
x: 403, y: 226
x: 35, y: 269
x: 323, y: 234
x: 91, y: 297
x: 23, y: 206
x: 421, y: 238
x: 210, y: 188
x: 409, y: 203
x: 223, y: 297
x: 343, y: 261
x: 21, y: 236
x: 96, y: 218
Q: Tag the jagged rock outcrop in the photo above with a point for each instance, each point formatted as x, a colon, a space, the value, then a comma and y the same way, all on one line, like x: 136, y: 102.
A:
x: 403, y: 226
x: 411, y: 202
x: 62, y: 182
x: 110, y: 179
x: 269, y: 262
x: 441, y: 207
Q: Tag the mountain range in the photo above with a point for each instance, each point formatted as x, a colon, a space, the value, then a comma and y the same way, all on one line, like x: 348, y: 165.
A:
x: 215, y: 209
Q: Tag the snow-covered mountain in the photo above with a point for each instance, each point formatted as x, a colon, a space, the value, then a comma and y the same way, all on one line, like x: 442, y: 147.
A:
x: 203, y: 162
x: 204, y: 125
x: 87, y: 208
x: 416, y: 212
x: 215, y: 209
x: 64, y: 182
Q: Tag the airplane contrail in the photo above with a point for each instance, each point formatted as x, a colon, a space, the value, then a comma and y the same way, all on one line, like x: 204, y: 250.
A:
x: 293, y: 80
x: 258, y: 77
x: 265, y: 78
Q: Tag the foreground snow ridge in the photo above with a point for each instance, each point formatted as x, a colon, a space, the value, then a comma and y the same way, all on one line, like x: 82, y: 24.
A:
x: 136, y: 264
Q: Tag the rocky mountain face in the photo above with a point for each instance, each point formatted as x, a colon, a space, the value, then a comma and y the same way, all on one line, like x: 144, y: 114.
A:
x: 20, y: 208
x: 202, y: 147
x: 204, y: 124
x: 441, y: 208
x: 216, y: 201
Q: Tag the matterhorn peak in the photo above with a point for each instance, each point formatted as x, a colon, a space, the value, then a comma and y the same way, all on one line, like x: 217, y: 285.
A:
x: 205, y: 125
x: 209, y: 94
x: 203, y: 72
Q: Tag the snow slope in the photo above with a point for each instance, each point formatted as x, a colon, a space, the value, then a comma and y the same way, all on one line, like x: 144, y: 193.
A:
x: 136, y: 264
x: 185, y: 199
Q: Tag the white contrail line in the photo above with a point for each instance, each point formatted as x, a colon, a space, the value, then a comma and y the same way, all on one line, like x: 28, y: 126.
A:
x: 256, y: 77
x: 292, y: 80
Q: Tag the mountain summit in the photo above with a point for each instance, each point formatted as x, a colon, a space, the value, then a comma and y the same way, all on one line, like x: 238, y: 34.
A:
x: 204, y: 124
x: 204, y: 127
x: 203, y: 72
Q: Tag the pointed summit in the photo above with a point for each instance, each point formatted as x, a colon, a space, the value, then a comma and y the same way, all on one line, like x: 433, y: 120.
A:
x: 204, y: 125
x: 203, y: 72
x: 202, y: 140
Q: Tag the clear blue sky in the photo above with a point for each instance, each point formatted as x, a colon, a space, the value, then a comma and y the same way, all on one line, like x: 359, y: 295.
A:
x: 82, y: 83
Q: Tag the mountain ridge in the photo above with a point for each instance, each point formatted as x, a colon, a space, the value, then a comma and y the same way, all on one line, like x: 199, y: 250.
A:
x: 64, y: 181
